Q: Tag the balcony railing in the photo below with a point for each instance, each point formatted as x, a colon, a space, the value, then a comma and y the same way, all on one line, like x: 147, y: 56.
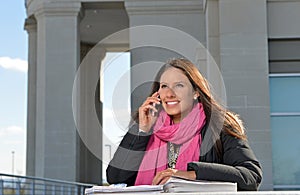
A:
x: 26, y: 185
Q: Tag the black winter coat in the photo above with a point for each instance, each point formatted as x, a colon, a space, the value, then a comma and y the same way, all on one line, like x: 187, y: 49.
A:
x: 234, y: 161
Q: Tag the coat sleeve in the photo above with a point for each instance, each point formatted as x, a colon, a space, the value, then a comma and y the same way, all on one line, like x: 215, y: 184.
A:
x: 239, y: 165
x: 125, y: 163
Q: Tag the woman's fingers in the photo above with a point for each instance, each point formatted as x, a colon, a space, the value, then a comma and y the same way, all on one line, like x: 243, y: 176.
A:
x: 163, y: 176
x: 151, y: 100
x: 164, y: 180
x: 147, y: 112
x: 158, y: 178
x: 148, y: 107
x: 149, y: 104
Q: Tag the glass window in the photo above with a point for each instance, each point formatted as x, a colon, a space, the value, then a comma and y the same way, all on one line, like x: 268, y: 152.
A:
x: 285, y: 123
x: 285, y: 94
x: 284, y: 69
x: 286, y: 150
x: 284, y: 55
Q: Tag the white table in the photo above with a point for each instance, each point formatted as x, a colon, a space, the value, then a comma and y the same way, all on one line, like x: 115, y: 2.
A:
x: 216, y: 193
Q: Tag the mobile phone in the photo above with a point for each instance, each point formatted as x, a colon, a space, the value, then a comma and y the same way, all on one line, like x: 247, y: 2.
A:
x: 152, y: 112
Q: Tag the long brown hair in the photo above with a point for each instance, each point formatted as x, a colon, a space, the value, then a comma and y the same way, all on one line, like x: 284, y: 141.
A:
x: 218, y: 117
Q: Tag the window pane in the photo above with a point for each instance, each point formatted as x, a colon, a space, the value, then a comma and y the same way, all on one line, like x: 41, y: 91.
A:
x: 284, y: 67
x: 285, y: 94
x: 286, y: 150
x: 284, y: 49
x: 115, y: 94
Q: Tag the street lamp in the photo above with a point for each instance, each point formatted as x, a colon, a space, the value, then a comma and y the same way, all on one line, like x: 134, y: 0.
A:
x: 109, y: 147
x: 13, y: 162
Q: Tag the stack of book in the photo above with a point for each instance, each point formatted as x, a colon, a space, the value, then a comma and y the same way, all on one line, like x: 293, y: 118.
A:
x: 176, y: 184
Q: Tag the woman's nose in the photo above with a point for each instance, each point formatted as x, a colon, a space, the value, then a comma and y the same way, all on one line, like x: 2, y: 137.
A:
x: 170, y: 93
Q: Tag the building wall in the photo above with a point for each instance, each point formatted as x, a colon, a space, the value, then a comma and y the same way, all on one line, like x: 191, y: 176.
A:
x: 237, y: 34
x: 243, y: 55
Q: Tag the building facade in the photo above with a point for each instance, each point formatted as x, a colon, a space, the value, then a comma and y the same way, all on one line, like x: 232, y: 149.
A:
x: 253, y: 61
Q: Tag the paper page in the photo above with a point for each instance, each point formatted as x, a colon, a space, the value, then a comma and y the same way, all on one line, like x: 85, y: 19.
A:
x: 110, y: 189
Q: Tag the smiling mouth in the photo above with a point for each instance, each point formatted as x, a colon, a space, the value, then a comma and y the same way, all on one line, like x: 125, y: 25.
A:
x: 172, y: 103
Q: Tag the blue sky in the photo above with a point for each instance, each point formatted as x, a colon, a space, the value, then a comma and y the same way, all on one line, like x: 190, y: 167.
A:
x: 13, y: 86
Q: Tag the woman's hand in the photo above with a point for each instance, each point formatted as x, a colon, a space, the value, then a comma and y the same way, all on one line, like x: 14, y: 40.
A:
x: 163, y: 176
x: 147, y: 112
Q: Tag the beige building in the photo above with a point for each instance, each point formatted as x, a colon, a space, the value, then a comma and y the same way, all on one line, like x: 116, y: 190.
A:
x: 253, y: 64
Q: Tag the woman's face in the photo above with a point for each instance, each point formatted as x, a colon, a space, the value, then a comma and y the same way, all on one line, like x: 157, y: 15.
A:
x: 176, y: 93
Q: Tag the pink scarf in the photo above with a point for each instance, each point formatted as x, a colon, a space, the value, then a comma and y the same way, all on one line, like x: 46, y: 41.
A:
x: 186, y: 133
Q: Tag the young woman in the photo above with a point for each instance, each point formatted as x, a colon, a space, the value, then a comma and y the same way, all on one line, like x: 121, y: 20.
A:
x: 181, y: 130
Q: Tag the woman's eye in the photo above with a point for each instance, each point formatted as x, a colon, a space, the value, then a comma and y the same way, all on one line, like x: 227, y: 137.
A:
x: 163, y: 86
x: 179, y: 85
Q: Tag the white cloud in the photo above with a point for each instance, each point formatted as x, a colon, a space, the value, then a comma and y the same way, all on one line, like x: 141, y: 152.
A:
x: 11, y: 131
x: 13, y: 64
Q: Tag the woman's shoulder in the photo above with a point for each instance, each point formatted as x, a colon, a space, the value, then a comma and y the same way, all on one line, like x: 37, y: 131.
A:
x: 233, y: 146
x: 236, y: 148
x: 230, y: 139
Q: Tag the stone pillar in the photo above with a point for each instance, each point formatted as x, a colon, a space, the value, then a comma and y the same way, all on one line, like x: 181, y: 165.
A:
x: 185, y: 17
x: 57, y: 61
x: 30, y: 26
x: 88, y: 110
x: 212, y: 29
x: 244, y: 66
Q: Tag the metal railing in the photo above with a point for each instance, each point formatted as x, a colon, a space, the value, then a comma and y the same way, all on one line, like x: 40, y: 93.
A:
x: 27, y: 185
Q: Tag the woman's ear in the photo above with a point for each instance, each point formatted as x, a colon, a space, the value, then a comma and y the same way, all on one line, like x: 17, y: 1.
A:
x: 196, y: 95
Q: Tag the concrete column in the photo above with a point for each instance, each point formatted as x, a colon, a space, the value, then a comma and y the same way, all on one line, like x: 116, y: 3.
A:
x: 57, y: 62
x: 244, y: 66
x: 212, y: 29
x: 89, y: 116
x: 149, y: 49
x: 30, y: 26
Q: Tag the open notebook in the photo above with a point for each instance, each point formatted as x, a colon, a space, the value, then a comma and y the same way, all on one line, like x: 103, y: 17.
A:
x: 119, y: 188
